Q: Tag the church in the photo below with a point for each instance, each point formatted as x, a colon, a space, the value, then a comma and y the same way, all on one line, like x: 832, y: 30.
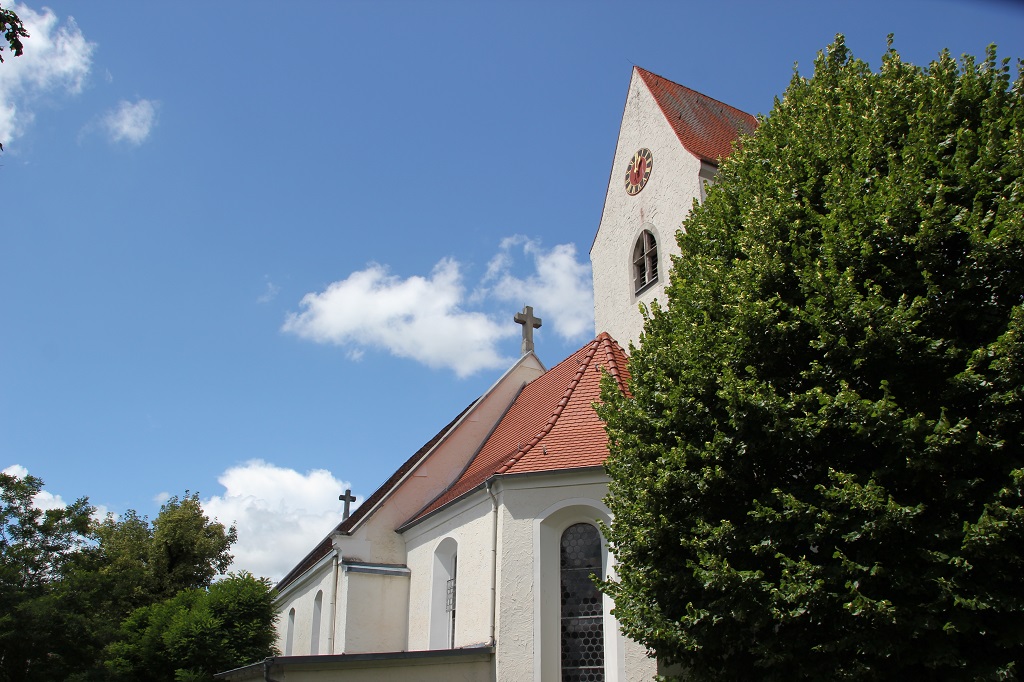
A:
x: 473, y: 560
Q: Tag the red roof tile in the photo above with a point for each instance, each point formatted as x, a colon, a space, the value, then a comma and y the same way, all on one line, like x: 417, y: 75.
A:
x: 551, y: 425
x: 705, y: 126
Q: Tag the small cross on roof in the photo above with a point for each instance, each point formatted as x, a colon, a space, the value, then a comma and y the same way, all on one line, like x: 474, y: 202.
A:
x: 347, y: 498
x: 529, y: 323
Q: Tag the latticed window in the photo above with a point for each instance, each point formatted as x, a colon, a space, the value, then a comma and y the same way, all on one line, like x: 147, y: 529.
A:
x: 645, y: 262
x: 582, y: 605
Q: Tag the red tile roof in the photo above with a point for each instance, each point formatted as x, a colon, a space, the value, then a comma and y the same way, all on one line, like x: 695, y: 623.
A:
x: 550, y: 426
x: 705, y: 126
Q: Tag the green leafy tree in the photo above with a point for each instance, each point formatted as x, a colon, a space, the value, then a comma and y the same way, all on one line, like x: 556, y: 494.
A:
x: 197, y: 633
x: 37, y: 633
x: 13, y: 30
x: 187, y: 549
x: 819, y: 473
x: 135, y: 565
x: 68, y: 583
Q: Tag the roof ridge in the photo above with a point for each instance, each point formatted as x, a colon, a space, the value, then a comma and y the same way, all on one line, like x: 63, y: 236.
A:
x: 469, y: 462
x: 684, y: 87
x: 609, y: 344
x: 707, y: 127
x: 553, y: 419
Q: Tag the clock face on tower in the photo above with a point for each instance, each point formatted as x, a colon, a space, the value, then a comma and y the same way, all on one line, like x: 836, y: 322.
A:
x: 639, y: 170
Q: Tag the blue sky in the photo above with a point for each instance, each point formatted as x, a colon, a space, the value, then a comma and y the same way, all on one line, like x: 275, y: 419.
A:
x: 264, y: 251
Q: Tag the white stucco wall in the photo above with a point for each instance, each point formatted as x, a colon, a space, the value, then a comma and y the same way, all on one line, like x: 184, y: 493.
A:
x: 661, y: 207
x: 300, y: 596
x: 375, y: 612
x: 535, y: 510
x: 532, y: 513
x: 470, y: 524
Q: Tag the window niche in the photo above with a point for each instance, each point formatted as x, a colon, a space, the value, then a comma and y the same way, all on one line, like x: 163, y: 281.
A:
x: 568, y: 549
x: 444, y: 593
x: 289, y: 639
x: 314, y: 635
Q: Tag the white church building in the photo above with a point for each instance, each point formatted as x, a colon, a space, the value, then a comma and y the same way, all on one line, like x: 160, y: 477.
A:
x: 473, y: 560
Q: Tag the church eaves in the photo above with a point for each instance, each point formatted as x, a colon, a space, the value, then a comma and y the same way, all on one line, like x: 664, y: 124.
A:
x: 327, y: 545
x: 706, y: 127
x: 551, y: 426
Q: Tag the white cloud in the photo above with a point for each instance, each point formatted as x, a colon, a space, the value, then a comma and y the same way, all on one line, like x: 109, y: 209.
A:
x: 427, y: 318
x: 44, y: 499
x: 15, y: 470
x: 419, y: 318
x: 57, y: 58
x: 559, y: 288
x: 280, y: 514
x: 131, y: 122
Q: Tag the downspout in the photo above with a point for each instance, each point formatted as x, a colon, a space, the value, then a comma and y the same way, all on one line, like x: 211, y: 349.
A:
x: 494, y: 556
x: 334, y: 606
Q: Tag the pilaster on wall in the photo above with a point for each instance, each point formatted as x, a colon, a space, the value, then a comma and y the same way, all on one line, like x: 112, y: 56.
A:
x: 373, y: 610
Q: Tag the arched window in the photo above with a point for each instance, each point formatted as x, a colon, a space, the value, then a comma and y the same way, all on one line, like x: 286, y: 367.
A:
x: 645, y: 261
x: 289, y: 638
x: 444, y: 590
x: 314, y: 635
x: 582, y: 605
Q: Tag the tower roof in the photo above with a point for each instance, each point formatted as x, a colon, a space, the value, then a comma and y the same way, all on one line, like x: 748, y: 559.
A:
x: 705, y: 126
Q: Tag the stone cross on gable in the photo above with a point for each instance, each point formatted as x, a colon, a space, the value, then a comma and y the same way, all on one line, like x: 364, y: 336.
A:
x: 346, y: 498
x: 529, y: 323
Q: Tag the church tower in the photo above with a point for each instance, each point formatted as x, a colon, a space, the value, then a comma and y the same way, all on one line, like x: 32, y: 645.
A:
x: 669, y: 146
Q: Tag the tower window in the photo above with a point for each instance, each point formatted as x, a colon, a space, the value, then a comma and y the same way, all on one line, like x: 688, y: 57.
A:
x: 645, y: 262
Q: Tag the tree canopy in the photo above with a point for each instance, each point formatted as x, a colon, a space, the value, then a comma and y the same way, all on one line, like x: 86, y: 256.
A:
x: 196, y: 633
x: 122, y: 598
x: 819, y: 472
x: 37, y: 550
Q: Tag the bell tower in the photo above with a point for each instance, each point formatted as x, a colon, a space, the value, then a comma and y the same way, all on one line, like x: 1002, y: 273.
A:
x: 670, y: 142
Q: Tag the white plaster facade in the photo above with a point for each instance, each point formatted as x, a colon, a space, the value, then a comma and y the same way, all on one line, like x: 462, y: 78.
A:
x: 507, y: 536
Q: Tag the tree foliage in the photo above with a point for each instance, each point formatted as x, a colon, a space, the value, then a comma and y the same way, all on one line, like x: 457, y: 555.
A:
x: 122, y: 598
x: 819, y: 473
x: 196, y: 633
x: 187, y: 549
x: 13, y: 30
x: 37, y: 549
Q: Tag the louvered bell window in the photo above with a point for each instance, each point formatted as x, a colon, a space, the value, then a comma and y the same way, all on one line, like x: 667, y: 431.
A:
x: 645, y: 262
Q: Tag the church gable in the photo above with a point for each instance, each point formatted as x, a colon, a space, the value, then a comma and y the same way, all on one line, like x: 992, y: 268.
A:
x: 367, y: 534
x: 550, y: 426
